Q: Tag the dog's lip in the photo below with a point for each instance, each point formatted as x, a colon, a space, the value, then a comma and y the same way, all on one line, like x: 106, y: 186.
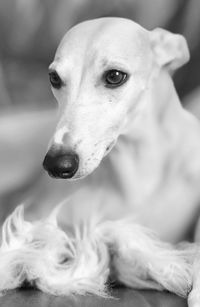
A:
x: 109, y: 147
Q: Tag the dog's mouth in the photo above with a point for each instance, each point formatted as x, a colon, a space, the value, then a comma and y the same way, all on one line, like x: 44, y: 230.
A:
x: 109, y: 147
x: 87, y: 169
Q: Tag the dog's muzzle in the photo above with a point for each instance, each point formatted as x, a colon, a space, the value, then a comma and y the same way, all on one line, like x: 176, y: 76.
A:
x: 60, y: 164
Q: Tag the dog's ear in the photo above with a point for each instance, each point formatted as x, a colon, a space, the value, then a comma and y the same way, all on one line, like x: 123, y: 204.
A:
x: 171, y: 50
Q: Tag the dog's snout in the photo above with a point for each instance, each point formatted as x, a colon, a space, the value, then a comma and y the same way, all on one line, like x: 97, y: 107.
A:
x: 61, y: 164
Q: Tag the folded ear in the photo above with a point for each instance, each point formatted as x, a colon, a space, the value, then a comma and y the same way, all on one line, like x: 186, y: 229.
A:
x: 171, y: 50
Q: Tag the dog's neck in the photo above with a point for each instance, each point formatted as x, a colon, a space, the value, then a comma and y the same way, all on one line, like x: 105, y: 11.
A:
x: 142, y: 152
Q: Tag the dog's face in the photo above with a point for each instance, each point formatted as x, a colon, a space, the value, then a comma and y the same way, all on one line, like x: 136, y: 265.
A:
x: 99, y: 73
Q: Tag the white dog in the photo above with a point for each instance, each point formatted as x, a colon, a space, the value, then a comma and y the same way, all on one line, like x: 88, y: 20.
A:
x: 123, y: 130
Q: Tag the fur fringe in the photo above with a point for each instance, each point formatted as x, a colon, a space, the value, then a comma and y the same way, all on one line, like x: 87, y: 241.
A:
x: 45, y: 256
x: 142, y: 261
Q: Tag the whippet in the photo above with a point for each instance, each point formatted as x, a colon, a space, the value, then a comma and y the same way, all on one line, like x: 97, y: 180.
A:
x: 124, y: 136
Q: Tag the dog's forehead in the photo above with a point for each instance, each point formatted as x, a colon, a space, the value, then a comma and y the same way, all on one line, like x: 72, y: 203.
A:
x: 114, y: 37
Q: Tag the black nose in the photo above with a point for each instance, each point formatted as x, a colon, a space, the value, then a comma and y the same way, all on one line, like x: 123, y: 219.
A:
x: 61, y: 164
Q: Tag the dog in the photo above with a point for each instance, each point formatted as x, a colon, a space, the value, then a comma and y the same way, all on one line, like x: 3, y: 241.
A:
x: 125, y: 142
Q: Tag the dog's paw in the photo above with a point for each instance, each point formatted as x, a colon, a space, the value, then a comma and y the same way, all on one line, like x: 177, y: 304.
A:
x: 194, y: 295
x: 141, y: 260
x: 42, y: 254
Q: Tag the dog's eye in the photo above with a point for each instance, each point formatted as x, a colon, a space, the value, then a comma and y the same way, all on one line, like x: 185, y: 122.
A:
x: 55, y: 80
x: 114, y: 78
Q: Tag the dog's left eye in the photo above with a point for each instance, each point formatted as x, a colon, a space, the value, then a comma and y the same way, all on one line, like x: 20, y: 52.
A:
x: 114, y: 78
x: 55, y: 80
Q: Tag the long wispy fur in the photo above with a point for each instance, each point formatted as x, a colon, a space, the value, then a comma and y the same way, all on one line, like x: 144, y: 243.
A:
x: 46, y: 256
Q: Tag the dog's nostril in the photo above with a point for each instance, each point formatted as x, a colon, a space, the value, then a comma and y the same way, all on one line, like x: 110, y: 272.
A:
x: 67, y: 164
x: 63, y: 165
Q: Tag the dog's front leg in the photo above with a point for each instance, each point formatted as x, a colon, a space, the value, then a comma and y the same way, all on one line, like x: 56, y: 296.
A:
x: 141, y: 260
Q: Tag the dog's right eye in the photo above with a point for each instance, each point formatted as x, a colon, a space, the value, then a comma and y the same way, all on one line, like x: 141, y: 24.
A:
x: 114, y: 78
x: 55, y: 80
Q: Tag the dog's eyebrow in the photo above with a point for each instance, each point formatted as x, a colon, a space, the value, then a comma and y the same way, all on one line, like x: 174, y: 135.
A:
x: 114, y: 64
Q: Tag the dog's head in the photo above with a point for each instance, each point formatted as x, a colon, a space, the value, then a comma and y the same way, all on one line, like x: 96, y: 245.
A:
x: 101, y: 69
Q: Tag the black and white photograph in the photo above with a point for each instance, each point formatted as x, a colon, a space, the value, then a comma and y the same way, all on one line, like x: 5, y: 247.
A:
x: 100, y: 153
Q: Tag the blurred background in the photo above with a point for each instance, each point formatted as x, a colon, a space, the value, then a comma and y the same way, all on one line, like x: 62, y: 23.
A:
x: 30, y: 31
